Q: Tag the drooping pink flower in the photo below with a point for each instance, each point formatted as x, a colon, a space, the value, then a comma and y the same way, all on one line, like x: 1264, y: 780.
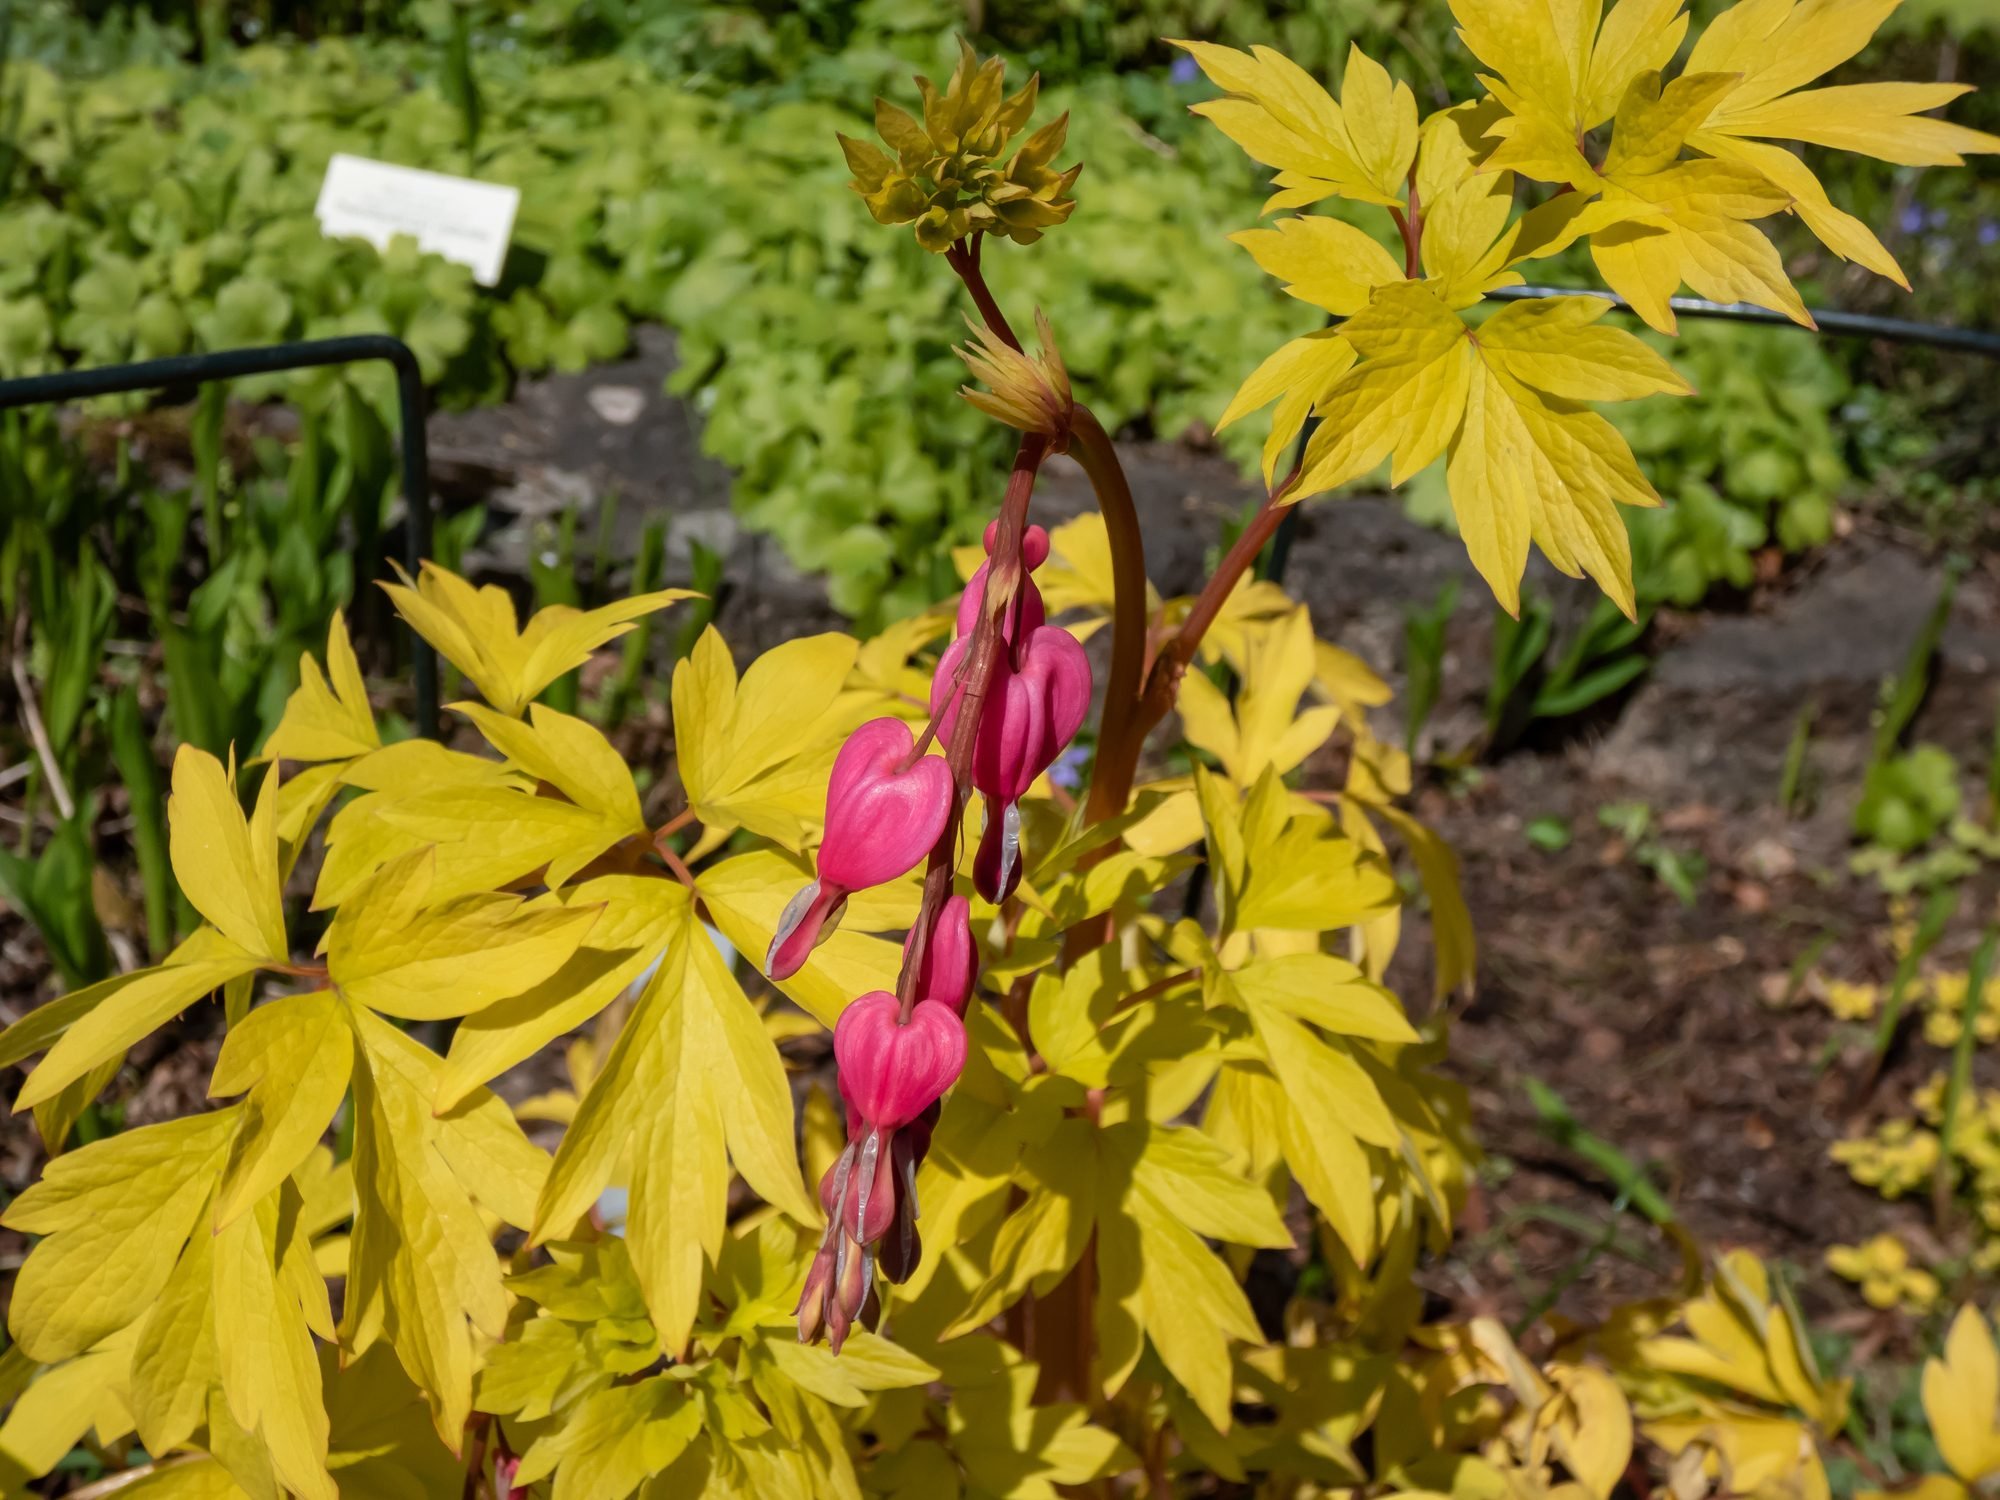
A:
x: 951, y: 960
x: 891, y: 1070
x: 882, y: 817
x: 1036, y: 702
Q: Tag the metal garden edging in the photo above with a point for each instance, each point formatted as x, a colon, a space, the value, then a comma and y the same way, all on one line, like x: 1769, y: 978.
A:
x: 305, y: 354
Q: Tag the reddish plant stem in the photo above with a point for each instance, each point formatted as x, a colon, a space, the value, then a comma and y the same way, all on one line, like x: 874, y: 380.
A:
x: 1004, y: 577
x: 1117, y: 763
x: 1091, y: 446
x: 963, y: 257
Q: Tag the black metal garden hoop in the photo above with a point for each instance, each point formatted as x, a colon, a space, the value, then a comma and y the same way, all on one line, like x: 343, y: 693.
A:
x: 306, y: 354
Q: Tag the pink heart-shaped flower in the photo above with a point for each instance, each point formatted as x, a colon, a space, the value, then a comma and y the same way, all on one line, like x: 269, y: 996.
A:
x: 891, y: 1070
x: 882, y: 813
x: 1034, y: 705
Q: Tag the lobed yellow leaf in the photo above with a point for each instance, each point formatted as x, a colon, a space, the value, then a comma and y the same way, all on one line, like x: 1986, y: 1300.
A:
x: 420, y: 1266
x: 691, y: 1084
x: 475, y: 630
x: 93, y: 1026
x: 569, y: 754
x: 639, y: 913
x: 226, y: 866
x: 264, y: 1351
x: 1961, y: 1395
x: 387, y: 951
x: 746, y: 894
x: 114, y: 1216
x: 744, y: 759
x: 326, y: 721
x: 293, y: 1058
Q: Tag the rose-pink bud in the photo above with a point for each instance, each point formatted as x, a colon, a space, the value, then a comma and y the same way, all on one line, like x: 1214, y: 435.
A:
x: 892, y: 1070
x: 1031, y: 615
x: 883, y: 814
x: 1034, y: 543
x: 951, y: 960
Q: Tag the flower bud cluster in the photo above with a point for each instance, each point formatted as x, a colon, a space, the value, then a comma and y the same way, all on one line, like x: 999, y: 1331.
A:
x: 953, y: 174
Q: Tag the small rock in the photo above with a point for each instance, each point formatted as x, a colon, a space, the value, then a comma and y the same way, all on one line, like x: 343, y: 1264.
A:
x: 1751, y: 897
x: 1770, y: 859
x: 619, y: 405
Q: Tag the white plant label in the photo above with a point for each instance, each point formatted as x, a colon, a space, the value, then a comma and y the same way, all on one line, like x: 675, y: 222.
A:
x: 456, y: 217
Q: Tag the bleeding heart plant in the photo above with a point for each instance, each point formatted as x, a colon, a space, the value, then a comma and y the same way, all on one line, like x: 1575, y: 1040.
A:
x: 1107, y: 1108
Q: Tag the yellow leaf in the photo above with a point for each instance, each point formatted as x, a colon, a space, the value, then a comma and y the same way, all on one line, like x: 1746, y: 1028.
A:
x: 325, y: 722
x: 485, y: 837
x: 1406, y: 396
x: 387, y: 952
x: 691, y: 1084
x: 616, y: 1439
x: 292, y: 1057
x: 570, y: 755
x: 114, y: 1215
x: 1327, y: 262
x: 475, y: 630
x: 1327, y: 991
x: 174, y: 1359
x: 1281, y: 117
x: 60, y: 1405
x: 1564, y: 72
x: 1961, y: 1394
x: 745, y: 896
x: 227, y: 867
x: 639, y: 913
x: 1180, y: 1294
x: 1323, y: 1082
x: 270, y: 1372
x: 1182, y: 1166
x: 478, y: 1137
x: 420, y: 1266
x: 95, y: 1025
x: 1297, y: 377
x: 1534, y: 463
x: 743, y: 758
x: 1694, y: 231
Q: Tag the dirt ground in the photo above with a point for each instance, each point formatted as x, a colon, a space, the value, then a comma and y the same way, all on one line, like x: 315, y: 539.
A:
x: 1650, y: 1018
